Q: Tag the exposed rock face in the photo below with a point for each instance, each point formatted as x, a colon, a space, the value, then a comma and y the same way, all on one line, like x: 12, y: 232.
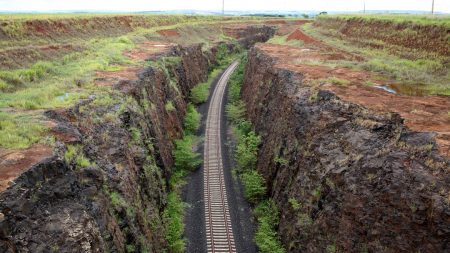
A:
x: 110, y: 193
x: 344, y: 178
x: 259, y: 33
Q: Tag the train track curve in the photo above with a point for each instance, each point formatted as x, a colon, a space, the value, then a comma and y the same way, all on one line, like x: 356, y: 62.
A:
x: 219, y: 232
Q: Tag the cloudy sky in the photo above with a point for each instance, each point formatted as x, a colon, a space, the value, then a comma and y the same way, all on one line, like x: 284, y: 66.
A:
x: 292, y: 5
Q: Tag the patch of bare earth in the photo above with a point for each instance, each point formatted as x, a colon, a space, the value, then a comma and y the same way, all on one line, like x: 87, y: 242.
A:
x: 424, y: 114
x: 15, y: 162
x: 145, y: 51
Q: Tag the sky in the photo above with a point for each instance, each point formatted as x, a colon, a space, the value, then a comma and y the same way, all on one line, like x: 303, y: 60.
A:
x: 215, y: 5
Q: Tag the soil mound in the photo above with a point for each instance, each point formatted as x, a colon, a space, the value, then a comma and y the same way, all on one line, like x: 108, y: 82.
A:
x: 298, y: 35
x: 169, y: 33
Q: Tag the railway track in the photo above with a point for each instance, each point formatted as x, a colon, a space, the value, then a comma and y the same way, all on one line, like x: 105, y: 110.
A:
x: 219, y: 232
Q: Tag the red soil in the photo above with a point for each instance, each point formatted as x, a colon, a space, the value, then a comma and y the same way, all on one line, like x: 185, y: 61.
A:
x: 298, y: 35
x: 169, y: 32
x: 14, y: 163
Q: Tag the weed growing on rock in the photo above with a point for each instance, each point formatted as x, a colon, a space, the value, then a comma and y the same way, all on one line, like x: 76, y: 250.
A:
x: 169, y: 106
x: 236, y: 111
x: 266, y: 235
x: 247, y: 151
x: 185, y: 157
x: 254, y: 186
x: 74, y: 156
x: 294, y: 204
x: 192, y: 120
x: 173, y: 217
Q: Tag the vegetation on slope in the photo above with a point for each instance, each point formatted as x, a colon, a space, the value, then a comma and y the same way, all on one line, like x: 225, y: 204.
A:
x: 186, y: 159
x: 392, y: 45
x: 255, y: 190
x: 435, y: 20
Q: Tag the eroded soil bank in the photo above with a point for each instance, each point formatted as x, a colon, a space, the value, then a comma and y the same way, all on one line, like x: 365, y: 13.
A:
x: 345, y: 178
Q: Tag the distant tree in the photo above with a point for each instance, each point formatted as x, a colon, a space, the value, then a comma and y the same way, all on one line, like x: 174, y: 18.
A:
x: 323, y: 13
x: 305, y: 15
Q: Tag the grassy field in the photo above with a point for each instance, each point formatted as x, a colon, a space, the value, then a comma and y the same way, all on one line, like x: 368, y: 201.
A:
x: 439, y: 20
x: 63, y: 81
x: 410, y: 66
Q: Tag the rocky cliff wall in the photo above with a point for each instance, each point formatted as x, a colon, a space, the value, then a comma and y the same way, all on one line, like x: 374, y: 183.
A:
x: 345, y: 179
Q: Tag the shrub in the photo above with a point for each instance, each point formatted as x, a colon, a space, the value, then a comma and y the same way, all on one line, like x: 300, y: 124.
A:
x: 236, y: 80
x: 247, y: 151
x: 236, y: 111
x: 254, y: 186
x: 266, y: 237
x: 200, y: 93
x: 192, y: 120
x: 185, y: 157
x: 294, y: 204
x: 173, y: 218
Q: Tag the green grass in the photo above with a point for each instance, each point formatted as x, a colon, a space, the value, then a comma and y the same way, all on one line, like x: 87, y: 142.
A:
x: 19, y: 131
x: 338, y: 81
x: 192, y: 120
x: 200, y: 93
x: 440, y: 20
x: 74, y: 155
x: 185, y: 160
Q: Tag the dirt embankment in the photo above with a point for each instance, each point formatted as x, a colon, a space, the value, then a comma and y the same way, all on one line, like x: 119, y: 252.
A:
x: 105, y: 187
x: 351, y: 179
x: 408, y: 36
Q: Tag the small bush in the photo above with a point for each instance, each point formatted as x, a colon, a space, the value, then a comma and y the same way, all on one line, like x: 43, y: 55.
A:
x: 173, y: 218
x: 247, y: 151
x: 135, y: 135
x: 74, y: 155
x: 236, y: 111
x: 169, y: 106
x: 266, y: 237
x: 117, y: 200
x: 185, y: 157
x: 294, y: 204
x: 200, y: 93
x: 192, y: 120
x: 254, y: 186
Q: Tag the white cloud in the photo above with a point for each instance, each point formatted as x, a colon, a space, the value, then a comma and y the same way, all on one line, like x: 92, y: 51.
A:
x: 299, y: 5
